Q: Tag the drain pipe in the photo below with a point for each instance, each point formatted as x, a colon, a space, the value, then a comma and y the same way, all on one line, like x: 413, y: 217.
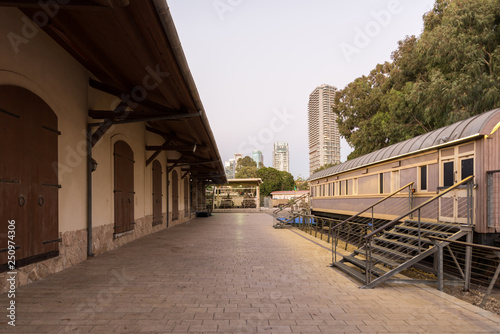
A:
x: 89, y: 191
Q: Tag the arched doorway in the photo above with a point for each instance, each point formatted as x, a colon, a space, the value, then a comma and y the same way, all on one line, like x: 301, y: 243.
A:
x: 157, y: 193
x: 28, y: 177
x: 123, y: 187
x: 175, y: 195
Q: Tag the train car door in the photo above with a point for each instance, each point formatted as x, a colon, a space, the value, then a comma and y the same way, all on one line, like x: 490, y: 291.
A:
x: 456, y: 164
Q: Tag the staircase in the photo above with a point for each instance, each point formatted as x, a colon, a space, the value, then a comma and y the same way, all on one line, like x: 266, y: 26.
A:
x: 284, y: 217
x: 395, y: 250
x: 402, y: 242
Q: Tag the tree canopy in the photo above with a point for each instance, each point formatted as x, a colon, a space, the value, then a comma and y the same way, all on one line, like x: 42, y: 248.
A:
x: 449, y: 73
x: 274, y: 180
x: 246, y: 168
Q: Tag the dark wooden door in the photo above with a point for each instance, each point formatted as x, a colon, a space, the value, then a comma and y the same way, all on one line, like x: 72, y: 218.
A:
x: 157, y: 193
x: 186, y: 197
x: 28, y: 174
x: 175, y: 196
x: 123, y: 187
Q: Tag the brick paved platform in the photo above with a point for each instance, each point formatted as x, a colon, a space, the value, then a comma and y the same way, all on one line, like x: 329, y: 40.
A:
x: 230, y: 273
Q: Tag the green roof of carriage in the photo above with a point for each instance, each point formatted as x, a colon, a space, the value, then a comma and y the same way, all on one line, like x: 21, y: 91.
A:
x: 470, y: 127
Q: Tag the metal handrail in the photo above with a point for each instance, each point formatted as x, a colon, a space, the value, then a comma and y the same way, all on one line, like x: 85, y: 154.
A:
x: 290, y: 204
x: 373, y: 205
x: 396, y: 220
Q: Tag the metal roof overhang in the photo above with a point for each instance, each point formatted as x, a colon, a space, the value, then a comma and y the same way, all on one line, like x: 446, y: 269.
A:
x: 131, y: 48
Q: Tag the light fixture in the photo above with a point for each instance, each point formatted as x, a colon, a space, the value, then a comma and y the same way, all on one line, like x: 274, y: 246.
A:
x: 93, y: 165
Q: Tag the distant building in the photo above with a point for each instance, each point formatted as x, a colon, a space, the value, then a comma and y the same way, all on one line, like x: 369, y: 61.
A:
x: 281, y: 156
x: 258, y: 158
x: 230, y: 168
x: 324, y: 138
x: 237, y: 156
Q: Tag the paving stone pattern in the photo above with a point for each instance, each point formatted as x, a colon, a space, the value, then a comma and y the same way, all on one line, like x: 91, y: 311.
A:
x: 230, y: 273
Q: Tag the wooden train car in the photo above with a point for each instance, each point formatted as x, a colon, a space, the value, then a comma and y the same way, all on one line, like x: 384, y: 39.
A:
x: 433, y: 161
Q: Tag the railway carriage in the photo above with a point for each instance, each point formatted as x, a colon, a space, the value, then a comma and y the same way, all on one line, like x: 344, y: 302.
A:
x: 428, y: 163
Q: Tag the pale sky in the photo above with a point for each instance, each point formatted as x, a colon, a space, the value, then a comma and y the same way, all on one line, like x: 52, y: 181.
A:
x: 255, y: 62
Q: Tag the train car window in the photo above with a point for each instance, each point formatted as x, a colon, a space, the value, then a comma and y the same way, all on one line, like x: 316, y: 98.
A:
x: 423, y: 178
x: 346, y: 187
x: 395, y: 180
x: 333, y: 188
x: 340, y: 188
x: 448, y: 173
x: 381, y: 187
x: 467, y: 167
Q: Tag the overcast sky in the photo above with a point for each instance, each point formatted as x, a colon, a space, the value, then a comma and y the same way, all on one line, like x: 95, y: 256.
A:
x: 255, y: 62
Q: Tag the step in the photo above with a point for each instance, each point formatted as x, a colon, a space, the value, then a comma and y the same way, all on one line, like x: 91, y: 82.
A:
x: 411, y: 237
x: 362, y: 264
x: 392, y: 252
x: 379, y: 258
x: 443, y: 234
x: 396, y: 243
x: 353, y: 272
x: 448, y: 226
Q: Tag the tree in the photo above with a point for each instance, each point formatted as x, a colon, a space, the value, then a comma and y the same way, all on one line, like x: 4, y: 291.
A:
x: 449, y: 73
x: 301, y: 183
x: 271, y: 180
x: 246, y: 173
x: 245, y: 162
x: 287, y: 181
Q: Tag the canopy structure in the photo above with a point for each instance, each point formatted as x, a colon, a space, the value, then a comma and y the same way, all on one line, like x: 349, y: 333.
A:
x: 132, y: 50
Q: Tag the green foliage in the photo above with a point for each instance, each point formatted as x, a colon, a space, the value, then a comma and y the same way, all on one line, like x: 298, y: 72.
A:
x: 271, y: 180
x: 287, y: 182
x: 245, y: 162
x: 449, y: 73
x: 246, y: 172
x: 301, y: 183
x: 274, y: 180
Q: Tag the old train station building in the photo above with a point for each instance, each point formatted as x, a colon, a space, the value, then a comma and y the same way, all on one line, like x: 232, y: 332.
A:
x: 103, y: 137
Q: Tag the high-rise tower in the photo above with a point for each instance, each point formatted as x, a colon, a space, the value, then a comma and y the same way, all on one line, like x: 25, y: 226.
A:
x: 324, y: 138
x: 280, y: 156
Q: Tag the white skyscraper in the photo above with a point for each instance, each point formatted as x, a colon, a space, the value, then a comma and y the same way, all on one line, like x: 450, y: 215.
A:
x: 281, y: 156
x: 324, y: 138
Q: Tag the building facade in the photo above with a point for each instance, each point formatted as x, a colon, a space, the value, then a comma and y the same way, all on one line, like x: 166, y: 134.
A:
x: 230, y: 168
x: 93, y: 153
x: 281, y: 157
x: 258, y: 158
x: 324, y: 138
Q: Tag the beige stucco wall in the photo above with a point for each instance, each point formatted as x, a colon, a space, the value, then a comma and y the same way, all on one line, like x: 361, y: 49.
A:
x: 43, y: 67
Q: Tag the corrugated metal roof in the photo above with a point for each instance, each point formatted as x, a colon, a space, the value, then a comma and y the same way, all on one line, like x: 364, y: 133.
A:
x: 456, y: 131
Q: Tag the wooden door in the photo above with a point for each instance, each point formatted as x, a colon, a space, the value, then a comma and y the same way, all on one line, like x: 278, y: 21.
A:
x: 175, y: 196
x: 157, y: 193
x: 123, y: 187
x: 28, y: 175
